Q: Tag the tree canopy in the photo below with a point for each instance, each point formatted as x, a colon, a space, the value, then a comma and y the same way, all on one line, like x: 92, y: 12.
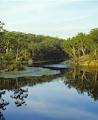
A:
x: 18, y: 49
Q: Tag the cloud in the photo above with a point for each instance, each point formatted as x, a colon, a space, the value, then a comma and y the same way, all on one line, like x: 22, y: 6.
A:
x: 53, y: 17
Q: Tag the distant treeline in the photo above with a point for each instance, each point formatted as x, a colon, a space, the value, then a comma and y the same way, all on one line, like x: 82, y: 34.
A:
x: 18, y: 49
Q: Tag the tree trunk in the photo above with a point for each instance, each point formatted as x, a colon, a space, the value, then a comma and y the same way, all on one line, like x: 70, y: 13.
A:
x: 83, y: 52
x: 17, y: 53
x: 95, y: 54
x: 7, y: 49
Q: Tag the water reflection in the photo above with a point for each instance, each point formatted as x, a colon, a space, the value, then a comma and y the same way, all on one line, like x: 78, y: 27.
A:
x: 3, y: 104
x: 20, y: 95
x: 83, y: 81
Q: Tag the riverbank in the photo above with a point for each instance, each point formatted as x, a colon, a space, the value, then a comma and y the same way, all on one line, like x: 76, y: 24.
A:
x: 86, y: 61
x: 31, y: 63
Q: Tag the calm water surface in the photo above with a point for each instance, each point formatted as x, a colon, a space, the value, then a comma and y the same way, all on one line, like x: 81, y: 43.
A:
x: 44, y: 94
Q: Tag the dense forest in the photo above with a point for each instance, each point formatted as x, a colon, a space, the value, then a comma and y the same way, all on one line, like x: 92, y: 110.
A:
x: 19, y: 49
x: 83, y: 48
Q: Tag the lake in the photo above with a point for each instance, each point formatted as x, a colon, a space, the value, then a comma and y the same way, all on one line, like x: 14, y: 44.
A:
x: 49, y: 94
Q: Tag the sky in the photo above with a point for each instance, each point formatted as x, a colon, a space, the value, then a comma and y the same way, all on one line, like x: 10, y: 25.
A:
x: 59, y: 18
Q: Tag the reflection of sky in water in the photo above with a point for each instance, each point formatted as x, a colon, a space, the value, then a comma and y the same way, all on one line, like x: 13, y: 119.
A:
x: 53, y: 101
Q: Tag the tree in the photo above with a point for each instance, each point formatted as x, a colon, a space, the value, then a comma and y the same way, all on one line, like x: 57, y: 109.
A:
x: 94, y: 37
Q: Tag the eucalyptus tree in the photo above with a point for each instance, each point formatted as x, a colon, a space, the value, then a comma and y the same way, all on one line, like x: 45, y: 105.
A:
x: 1, y: 35
x: 94, y: 37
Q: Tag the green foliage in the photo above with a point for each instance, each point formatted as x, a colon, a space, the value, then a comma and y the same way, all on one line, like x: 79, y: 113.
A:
x: 17, y: 49
x: 82, y: 45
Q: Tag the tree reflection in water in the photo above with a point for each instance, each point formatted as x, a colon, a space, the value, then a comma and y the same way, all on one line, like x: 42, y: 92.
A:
x: 83, y: 81
x: 3, y: 104
x: 20, y: 95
